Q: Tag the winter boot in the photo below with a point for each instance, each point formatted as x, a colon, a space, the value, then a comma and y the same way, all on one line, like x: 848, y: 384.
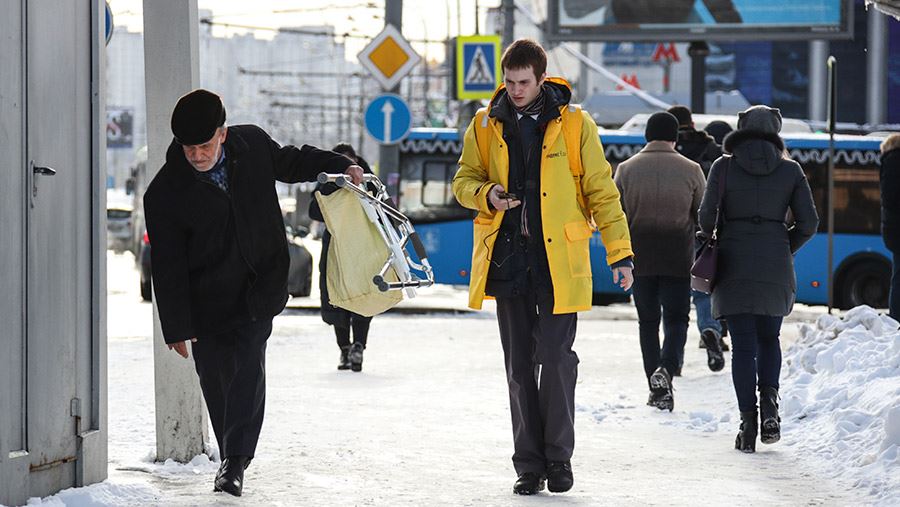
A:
x: 356, y: 356
x: 714, y: 358
x: 559, y: 476
x: 344, y: 362
x: 769, y: 421
x: 661, y: 389
x: 723, y: 344
x: 746, y: 437
x: 529, y: 483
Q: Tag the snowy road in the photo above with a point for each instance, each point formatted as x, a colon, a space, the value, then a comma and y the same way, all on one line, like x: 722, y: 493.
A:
x: 427, y: 422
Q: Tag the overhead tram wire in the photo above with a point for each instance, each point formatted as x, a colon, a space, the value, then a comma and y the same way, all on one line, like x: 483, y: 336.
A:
x: 311, y: 32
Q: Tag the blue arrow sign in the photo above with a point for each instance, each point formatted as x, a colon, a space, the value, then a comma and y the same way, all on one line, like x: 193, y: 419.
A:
x: 108, y: 23
x: 388, y: 119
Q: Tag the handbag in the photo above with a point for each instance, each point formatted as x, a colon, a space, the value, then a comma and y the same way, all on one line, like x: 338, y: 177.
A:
x: 703, y: 271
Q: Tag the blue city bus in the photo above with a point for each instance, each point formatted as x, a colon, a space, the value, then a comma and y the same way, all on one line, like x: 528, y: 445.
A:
x: 428, y: 161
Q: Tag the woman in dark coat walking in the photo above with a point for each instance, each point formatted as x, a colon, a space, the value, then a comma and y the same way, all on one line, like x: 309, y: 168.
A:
x: 890, y: 213
x: 342, y: 320
x: 755, y: 282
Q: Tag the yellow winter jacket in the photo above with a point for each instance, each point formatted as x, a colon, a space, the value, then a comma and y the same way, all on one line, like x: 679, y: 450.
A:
x: 566, y: 231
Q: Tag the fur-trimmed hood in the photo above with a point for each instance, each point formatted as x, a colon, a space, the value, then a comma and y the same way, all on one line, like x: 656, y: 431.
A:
x: 891, y: 143
x: 693, y: 143
x: 759, y: 153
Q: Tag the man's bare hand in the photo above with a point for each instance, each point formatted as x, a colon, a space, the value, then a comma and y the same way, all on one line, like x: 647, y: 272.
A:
x: 500, y: 201
x: 623, y: 277
x: 356, y: 174
x: 181, y: 347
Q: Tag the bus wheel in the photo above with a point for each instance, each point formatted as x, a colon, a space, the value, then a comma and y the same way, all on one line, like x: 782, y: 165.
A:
x: 865, y: 283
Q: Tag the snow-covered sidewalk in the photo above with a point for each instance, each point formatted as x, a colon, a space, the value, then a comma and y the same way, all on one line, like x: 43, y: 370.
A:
x: 427, y: 423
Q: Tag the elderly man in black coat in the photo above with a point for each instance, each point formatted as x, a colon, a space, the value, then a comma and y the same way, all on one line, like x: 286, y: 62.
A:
x: 220, y: 260
x: 890, y: 212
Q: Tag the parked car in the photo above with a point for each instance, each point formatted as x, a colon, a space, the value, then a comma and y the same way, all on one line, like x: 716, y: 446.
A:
x: 118, y: 223
x: 299, y: 272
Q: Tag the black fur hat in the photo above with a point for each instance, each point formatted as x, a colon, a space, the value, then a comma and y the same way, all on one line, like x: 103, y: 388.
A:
x: 196, y: 117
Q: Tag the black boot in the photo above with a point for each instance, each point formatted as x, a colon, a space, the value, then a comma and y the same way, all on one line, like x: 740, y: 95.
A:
x: 356, y: 356
x: 559, y: 476
x: 746, y: 437
x: 344, y: 362
x: 770, y: 422
x: 231, y: 477
x: 714, y: 358
x: 661, y: 390
x: 529, y: 483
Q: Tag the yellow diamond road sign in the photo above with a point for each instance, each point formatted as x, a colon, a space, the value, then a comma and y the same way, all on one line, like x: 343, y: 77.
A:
x: 389, y: 57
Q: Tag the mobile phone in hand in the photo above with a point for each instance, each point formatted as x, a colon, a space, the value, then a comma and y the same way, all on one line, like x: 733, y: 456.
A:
x: 507, y: 195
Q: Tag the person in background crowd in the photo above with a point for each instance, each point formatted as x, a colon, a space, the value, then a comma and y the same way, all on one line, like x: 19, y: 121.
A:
x: 661, y: 192
x: 718, y: 129
x: 342, y: 320
x: 890, y: 213
x: 755, y: 282
x: 701, y: 148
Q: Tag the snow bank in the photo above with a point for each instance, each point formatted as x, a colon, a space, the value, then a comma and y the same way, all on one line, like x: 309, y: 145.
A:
x: 104, y: 494
x: 841, y: 398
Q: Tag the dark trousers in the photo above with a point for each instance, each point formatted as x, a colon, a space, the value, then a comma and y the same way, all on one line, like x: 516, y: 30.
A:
x: 232, y: 371
x: 755, y: 354
x: 541, y: 370
x: 358, y: 323
x: 894, y: 295
x: 672, y: 295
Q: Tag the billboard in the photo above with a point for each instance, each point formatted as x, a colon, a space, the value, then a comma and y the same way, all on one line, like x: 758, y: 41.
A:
x: 708, y: 20
x: 119, y: 127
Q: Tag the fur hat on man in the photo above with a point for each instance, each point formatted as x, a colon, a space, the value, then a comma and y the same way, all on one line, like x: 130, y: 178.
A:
x: 196, y: 117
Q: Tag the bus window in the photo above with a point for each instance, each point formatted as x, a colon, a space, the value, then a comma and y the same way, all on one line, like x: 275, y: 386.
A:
x: 436, y: 179
x: 426, y: 194
x: 857, y: 200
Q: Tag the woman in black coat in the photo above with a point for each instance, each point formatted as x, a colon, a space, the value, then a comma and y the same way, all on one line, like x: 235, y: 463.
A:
x: 890, y: 213
x: 342, y: 320
x: 755, y: 282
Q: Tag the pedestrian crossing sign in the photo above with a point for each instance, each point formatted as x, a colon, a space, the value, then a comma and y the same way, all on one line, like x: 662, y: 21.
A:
x: 478, y: 70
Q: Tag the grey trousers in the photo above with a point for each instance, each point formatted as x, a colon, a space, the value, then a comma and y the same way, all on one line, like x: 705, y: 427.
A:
x: 541, y: 369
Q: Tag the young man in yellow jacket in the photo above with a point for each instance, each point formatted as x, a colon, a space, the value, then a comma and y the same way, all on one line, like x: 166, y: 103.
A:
x: 534, y: 169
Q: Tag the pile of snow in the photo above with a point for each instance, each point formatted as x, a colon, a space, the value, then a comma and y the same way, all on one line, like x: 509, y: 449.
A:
x: 841, y: 398
x: 104, y: 494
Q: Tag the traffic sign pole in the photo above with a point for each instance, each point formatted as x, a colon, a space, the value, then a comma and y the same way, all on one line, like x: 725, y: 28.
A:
x: 389, y: 155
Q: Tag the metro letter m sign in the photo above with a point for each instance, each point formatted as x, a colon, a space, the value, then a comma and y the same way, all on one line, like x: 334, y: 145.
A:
x: 666, y: 52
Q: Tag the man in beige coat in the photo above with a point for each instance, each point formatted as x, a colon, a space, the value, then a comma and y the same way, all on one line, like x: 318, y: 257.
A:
x: 661, y: 193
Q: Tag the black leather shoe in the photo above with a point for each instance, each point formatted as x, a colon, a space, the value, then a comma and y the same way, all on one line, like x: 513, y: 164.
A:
x: 529, y: 483
x: 559, y: 476
x: 231, y: 476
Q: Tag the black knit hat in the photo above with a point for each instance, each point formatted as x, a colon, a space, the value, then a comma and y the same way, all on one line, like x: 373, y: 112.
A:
x: 662, y: 126
x: 196, y: 117
x: 683, y: 115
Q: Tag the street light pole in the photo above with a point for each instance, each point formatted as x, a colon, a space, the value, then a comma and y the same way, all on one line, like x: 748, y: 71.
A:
x: 509, y: 20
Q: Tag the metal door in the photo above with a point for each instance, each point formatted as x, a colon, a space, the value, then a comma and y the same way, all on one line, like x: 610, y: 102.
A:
x: 54, y: 380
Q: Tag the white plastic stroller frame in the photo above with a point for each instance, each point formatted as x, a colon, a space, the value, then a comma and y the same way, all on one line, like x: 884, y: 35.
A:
x: 396, y: 231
